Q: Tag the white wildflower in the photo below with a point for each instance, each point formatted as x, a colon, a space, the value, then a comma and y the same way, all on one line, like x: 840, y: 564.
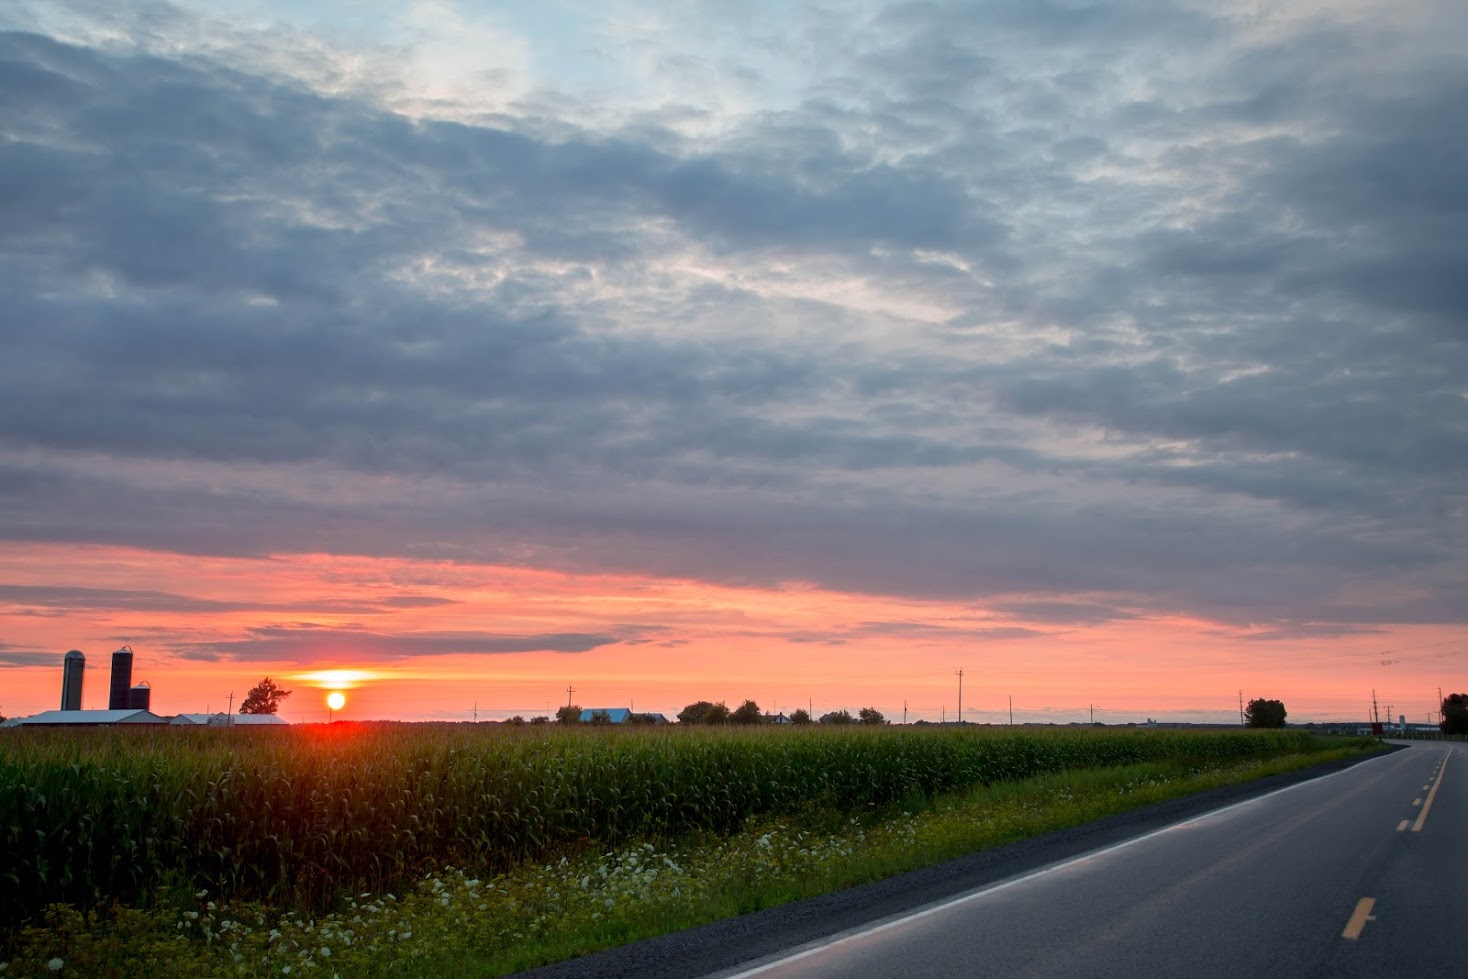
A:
x: 55, y: 965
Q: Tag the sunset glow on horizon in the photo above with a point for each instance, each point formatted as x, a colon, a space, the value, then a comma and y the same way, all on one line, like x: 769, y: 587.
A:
x: 474, y: 367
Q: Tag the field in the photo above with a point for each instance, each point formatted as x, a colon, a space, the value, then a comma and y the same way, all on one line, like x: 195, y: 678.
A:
x: 310, y: 820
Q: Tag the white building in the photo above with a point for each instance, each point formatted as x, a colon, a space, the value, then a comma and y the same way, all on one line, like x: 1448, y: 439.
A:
x: 92, y: 718
x: 230, y: 720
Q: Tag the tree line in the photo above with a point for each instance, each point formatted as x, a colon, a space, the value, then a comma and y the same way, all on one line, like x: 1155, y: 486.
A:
x: 713, y: 713
x: 706, y: 712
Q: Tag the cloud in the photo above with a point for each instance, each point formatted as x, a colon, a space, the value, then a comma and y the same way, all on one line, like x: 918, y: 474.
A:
x: 307, y: 645
x: 1081, y: 314
x: 1063, y: 613
x: 74, y: 599
x: 12, y: 656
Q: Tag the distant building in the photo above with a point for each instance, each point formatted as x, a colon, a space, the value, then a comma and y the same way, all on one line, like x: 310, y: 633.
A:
x: 120, y: 692
x: 73, y: 668
x: 229, y: 720
x: 623, y: 715
x: 617, y: 715
x: 92, y: 718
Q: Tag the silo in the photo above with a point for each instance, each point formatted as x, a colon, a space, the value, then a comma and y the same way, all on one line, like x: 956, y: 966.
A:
x: 120, y: 693
x: 140, y: 696
x: 72, y: 668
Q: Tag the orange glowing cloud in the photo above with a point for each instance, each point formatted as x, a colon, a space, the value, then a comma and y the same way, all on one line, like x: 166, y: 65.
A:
x: 337, y: 679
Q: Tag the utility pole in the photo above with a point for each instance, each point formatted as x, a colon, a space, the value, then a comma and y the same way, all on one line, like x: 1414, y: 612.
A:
x: 569, y: 690
x: 1375, y: 713
x: 229, y: 717
x: 1242, y: 722
x: 1093, y: 714
x: 1011, y: 710
x: 904, y: 712
x: 1439, y: 707
x: 960, y: 695
x: 476, y: 712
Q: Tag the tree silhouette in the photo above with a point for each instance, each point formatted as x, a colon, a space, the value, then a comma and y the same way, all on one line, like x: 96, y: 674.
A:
x: 1455, y: 714
x: 703, y: 712
x: 1265, y: 713
x: 264, y: 698
x: 747, y: 713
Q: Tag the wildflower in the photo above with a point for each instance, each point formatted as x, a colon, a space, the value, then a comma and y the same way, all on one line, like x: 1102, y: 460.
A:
x: 55, y: 965
x: 325, y: 952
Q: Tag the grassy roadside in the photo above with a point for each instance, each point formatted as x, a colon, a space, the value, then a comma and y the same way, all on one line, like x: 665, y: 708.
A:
x: 456, y: 925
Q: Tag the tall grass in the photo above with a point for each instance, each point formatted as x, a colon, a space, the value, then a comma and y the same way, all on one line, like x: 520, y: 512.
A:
x: 299, y: 817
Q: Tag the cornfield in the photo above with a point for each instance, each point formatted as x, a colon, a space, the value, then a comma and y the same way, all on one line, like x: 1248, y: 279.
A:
x: 300, y: 817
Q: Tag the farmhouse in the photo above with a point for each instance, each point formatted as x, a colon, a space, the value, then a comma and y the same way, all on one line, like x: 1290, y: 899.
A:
x: 622, y: 715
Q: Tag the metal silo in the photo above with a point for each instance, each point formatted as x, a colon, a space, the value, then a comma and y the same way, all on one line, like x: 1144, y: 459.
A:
x: 72, y: 667
x: 122, y: 679
x: 140, y: 696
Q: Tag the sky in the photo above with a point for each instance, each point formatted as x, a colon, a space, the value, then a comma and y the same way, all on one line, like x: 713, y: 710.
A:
x: 1114, y: 354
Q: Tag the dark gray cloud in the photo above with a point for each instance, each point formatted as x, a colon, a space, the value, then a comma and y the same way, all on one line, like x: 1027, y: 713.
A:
x: 305, y: 644
x: 1063, y: 613
x: 74, y: 599
x: 11, y: 655
x: 1122, y: 309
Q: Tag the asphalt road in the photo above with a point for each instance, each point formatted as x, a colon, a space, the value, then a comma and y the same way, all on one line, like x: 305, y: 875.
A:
x: 1363, y: 872
x: 1354, y: 868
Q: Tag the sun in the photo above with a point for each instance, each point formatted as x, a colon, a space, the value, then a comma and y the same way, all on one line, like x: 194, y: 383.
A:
x: 336, y: 700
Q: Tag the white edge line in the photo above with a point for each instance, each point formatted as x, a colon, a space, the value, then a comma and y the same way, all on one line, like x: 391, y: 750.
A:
x: 1032, y: 875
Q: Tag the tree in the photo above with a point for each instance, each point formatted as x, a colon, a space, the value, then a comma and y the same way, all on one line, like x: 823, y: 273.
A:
x: 703, y: 712
x: 1455, y: 714
x: 600, y: 717
x: 1265, y: 713
x: 264, y: 698
x: 747, y: 713
x: 540, y: 719
x: 570, y: 714
x: 800, y: 716
x: 516, y: 721
x: 842, y: 716
x: 870, y: 715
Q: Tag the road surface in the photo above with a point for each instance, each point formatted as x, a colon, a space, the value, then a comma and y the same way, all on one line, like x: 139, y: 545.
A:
x: 1361, y: 872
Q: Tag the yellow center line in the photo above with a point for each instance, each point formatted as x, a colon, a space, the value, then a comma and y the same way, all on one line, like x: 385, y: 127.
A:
x: 1422, y: 816
x: 1403, y: 825
x: 1417, y: 801
x: 1359, y: 917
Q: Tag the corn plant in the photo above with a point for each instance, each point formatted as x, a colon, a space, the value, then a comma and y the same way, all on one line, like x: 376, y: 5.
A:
x: 299, y: 817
